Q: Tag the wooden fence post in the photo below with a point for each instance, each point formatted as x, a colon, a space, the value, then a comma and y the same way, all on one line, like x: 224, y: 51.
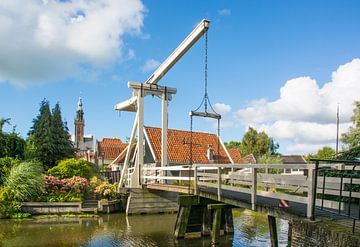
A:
x: 195, y: 181
x: 253, y: 188
x: 310, y: 193
x: 219, y: 184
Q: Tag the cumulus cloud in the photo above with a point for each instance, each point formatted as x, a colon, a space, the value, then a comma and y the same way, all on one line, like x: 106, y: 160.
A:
x: 53, y: 39
x: 150, y: 65
x: 224, y: 12
x: 222, y: 108
x: 305, y: 113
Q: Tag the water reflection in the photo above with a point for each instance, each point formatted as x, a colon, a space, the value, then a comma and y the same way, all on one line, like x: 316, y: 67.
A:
x: 251, y: 229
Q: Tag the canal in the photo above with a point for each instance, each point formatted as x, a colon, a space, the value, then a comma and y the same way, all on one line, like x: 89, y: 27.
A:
x: 251, y: 229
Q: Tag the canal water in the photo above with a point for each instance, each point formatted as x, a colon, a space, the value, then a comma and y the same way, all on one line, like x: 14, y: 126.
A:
x: 251, y: 229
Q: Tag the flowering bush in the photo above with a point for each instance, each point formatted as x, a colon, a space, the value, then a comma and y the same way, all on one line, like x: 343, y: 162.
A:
x: 69, y: 189
x: 107, y: 191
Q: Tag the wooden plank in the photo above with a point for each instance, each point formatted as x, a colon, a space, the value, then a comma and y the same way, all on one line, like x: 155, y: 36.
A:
x: 253, y: 188
x: 276, y: 166
x: 288, y: 197
x: 168, y: 178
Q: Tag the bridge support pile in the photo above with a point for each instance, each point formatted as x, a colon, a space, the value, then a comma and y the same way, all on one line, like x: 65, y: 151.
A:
x: 201, y: 217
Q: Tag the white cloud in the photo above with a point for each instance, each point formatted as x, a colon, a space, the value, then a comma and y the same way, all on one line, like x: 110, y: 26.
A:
x: 53, y: 39
x: 222, y: 108
x: 305, y: 113
x: 150, y: 65
x: 224, y: 12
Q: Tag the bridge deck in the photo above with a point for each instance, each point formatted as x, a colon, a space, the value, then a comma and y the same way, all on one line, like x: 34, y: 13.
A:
x: 264, y: 204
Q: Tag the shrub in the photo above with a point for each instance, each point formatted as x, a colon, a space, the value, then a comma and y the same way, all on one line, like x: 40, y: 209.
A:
x: 73, y: 167
x: 64, y: 190
x: 5, y: 166
x: 24, y: 182
x: 107, y: 191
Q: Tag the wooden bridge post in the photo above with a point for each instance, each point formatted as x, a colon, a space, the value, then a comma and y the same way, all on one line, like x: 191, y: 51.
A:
x: 310, y: 192
x: 185, y: 203
x: 195, y: 180
x: 273, y: 231
x: 215, y: 233
x: 253, y: 188
x: 219, y: 183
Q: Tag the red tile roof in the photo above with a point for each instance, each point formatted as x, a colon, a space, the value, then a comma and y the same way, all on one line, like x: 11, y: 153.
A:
x: 179, y: 146
x: 111, y: 147
x: 235, y: 155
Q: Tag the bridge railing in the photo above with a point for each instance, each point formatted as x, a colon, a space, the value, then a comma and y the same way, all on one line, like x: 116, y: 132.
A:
x: 266, y: 180
x: 340, y: 183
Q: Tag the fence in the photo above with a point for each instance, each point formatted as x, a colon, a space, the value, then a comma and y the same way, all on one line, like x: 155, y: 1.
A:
x: 111, y: 176
x: 339, y: 181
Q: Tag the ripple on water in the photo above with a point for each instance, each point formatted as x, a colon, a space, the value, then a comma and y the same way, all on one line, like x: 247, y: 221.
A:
x: 251, y: 229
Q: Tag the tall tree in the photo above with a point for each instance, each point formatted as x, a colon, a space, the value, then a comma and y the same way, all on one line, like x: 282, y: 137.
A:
x: 352, y: 138
x: 43, y: 138
x: 257, y: 143
x: 61, y: 138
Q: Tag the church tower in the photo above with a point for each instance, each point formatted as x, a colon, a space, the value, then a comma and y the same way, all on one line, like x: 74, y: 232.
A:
x: 79, y: 125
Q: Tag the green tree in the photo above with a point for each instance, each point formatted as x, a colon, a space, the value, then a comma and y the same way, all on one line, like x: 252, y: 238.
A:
x: 232, y: 144
x: 49, y: 139
x: 61, y: 137
x: 325, y: 153
x: 11, y: 144
x: 352, y: 138
x: 30, y: 148
x: 257, y: 143
x: 43, y: 138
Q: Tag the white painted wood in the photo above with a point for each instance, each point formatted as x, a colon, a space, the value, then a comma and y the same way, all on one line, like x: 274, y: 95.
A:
x: 188, y: 42
x: 219, y: 183
x: 276, y: 195
x: 195, y: 181
x: 253, y: 188
x: 140, y: 147
x: 310, y: 195
x: 128, y: 153
x: 164, y: 130
x: 167, y: 178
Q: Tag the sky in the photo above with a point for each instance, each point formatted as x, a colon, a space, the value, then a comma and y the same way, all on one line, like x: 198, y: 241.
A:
x: 280, y: 66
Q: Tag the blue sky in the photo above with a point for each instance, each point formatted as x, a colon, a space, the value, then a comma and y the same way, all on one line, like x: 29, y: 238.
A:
x: 279, y: 66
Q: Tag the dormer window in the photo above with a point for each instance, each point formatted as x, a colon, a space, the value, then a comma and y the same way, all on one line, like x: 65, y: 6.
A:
x: 210, y: 153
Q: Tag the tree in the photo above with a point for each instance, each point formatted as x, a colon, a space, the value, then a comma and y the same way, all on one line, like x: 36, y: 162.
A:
x: 11, y: 144
x: 352, y: 138
x: 49, y: 140
x: 43, y: 139
x: 61, y: 137
x: 325, y: 153
x: 257, y: 143
x: 232, y: 144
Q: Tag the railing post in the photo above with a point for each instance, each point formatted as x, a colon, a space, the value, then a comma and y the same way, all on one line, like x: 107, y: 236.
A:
x: 195, y: 181
x: 253, y: 188
x: 219, y: 184
x: 312, y: 186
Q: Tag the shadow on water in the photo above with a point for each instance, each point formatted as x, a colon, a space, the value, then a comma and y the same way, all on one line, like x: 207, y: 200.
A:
x: 251, y: 229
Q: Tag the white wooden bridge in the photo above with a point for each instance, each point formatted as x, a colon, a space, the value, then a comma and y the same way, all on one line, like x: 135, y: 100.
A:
x: 255, y: 186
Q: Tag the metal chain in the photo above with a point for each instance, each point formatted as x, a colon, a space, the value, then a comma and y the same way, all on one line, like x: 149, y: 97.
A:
x: 206, y: 70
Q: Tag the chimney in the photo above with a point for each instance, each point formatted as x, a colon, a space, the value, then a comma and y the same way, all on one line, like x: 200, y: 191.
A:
x: 210, y: 153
